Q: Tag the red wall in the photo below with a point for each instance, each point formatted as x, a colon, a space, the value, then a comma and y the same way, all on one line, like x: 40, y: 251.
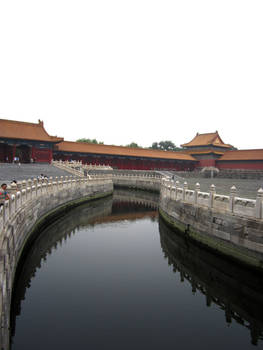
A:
x: 6, y: 152
x: 41, y: 155
x: 123, y: 163
x: 206, y: 162
x: 252, y: 165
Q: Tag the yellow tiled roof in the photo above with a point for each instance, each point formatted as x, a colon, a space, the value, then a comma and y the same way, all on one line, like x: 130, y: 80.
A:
x: 248, y: 154
x: 83, y: 147
x: 12, y: 129
x: 206, y: 140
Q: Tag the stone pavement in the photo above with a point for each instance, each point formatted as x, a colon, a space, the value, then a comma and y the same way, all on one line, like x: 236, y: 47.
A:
x: 245, y: 188
x: 8, y: 172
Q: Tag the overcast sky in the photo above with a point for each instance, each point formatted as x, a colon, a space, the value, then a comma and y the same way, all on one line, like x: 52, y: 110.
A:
x: 127, y: 70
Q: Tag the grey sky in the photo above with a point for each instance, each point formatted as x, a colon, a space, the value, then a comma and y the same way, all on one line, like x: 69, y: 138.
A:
x: 142, y: 71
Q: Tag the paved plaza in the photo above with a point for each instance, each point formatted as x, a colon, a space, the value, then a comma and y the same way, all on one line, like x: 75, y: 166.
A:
x: 246, y: 188
x: 8, y: 172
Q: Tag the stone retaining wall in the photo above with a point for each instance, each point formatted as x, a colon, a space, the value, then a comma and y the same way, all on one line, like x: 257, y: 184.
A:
x: 228, y: 224
x: 29, y: 210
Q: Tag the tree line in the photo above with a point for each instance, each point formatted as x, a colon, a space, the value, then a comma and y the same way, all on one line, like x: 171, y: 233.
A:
x: 162, y: 145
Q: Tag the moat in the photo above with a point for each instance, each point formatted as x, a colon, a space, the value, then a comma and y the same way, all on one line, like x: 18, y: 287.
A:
x: 110, y: 274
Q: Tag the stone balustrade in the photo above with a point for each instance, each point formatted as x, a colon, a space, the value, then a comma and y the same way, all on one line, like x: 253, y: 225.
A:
x: 137, y: 181
x: 32, y: 205
x: 228, y: 224
x: 77, y: 168
x: 252, y: 208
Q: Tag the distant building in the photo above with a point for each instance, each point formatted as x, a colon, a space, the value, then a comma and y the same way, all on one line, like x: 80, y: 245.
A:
x: 206, y: 148
x: 30, y: 142
x: 251, y: 159
x: 120, y: 157
x: 25, y: 141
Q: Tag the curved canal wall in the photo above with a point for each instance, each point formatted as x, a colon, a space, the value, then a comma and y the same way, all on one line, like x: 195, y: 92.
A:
x: 30, y: 209
x: 228, y: 224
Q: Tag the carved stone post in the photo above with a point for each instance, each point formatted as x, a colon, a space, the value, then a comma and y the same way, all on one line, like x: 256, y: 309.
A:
x: 184, y: 189
x: 13, y: 188
x: 24, y: 188
x: 29, y: 188
x: 177, y: 184
x: 19, y: 186
x: 211, y: 196
x: 259, y: 207
x: 197, y: 189
x: 233, y: 193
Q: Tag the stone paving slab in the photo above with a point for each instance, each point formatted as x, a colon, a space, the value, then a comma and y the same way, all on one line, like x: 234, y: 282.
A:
x: 8, y: 172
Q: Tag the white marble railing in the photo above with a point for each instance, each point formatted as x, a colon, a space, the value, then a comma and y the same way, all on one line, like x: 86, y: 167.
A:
x: 77, y: 168
x: 29, y: 190
x: 137, y: 176
x: 240, y: 206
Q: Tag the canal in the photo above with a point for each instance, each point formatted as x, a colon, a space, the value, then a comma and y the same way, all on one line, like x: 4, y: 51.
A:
x: 112, y: 275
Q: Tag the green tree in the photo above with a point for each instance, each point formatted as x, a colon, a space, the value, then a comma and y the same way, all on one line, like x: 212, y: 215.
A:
x: 133, y: 145
x: 155, y: 145
x: 165, y: 146
x: 90, y: 141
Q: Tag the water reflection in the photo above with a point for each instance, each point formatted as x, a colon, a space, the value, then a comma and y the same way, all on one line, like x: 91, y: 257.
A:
x: 238, y: 291
x: 158, y: 309
x: 124, y: 205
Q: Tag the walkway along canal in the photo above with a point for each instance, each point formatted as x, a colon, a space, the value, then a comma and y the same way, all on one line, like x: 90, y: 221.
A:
x: 38, y: 204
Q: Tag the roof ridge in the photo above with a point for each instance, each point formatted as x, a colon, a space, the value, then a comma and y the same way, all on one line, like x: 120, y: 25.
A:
x: 207, y: 133
x: 125, y: 147
x: 18, y: 121
x: 249, y: 149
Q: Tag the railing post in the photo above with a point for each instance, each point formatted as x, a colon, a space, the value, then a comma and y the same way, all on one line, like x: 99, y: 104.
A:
x: 197, y: 189
x: 29, y: 187
x: 233, y: 192
x: 184, y: 189
x: 259, y: 207
x: 211, y: 196
x: 56, y: 183
x: 177, y: 184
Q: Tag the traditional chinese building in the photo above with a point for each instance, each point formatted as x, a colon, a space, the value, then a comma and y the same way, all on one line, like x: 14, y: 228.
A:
x: 31, y: 142
x: 123, y: 157
x: 206, y: 148
x: 26, y: 141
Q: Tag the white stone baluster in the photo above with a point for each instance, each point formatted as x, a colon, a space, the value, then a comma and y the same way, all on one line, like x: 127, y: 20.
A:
x: 233, y: 193
x: 184, y: 189
x: 177, y: 184
x: 259, y: 206
x: 197, y: 189
x: 211, y: 195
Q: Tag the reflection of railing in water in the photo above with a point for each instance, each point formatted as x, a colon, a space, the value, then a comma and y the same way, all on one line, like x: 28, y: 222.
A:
x: 234, y: 288
x: 136, y: 197
x: 98, y: 212
x: 48, y: 240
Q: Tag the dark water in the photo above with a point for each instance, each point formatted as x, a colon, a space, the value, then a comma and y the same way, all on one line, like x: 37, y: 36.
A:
x: 111, y: 275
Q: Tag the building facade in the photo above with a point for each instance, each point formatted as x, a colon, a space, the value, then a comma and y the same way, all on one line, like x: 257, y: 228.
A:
x: 25, y: 142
